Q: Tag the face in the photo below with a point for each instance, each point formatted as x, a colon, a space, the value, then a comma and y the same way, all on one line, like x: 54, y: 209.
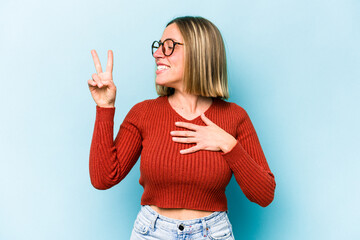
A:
x: 170, y: 69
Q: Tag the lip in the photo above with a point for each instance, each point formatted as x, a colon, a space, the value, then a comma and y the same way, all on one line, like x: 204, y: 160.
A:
x: 161, y: 71
x: 162, y: 64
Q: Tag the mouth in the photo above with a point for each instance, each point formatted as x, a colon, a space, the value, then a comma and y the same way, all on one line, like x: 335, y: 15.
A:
x: 161, y: 69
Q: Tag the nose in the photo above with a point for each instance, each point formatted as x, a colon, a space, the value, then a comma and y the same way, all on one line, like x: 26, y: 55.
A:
x: 158, y: 53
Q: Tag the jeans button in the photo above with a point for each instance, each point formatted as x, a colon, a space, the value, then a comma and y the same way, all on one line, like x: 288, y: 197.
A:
x: 181, y: 226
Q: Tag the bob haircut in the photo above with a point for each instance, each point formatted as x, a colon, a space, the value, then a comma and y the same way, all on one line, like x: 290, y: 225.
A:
x: 205, y: 71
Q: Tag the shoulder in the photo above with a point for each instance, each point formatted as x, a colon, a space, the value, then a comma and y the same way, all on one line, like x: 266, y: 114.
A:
x: 135, y: 116
x: 232, y: 107
x: 153, y: 103
x: 236, y: 112
x: 142, y: 106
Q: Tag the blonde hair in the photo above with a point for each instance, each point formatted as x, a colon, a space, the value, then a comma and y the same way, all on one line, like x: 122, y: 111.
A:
x: 205, y: 71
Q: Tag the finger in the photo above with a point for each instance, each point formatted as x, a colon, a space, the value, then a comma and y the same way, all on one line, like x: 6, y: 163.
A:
x: 183, y: 133
x: 187, y: 125
x: 206, y: 120
x: 97, y: 80
x: 96, y: 61
x: 91, y: 83
x: 109, y: 66
x: 190, y: 150
x: 184, y: 140
x: 107, y: 84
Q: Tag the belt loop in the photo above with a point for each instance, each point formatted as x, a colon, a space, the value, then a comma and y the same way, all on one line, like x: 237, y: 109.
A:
x: 204, y: 227
x: 153, y: 221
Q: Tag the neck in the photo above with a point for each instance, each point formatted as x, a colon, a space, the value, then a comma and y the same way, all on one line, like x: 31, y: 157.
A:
x: 189, y: 103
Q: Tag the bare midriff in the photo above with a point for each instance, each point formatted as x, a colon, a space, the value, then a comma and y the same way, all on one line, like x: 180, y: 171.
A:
x: 181, y: 213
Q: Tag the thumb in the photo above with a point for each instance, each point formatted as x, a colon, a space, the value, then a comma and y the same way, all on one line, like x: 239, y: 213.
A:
x: 206, y: 120
x: 109, y: 84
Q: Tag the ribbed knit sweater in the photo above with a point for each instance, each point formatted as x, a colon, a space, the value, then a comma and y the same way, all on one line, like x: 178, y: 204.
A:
x: 173, y: 180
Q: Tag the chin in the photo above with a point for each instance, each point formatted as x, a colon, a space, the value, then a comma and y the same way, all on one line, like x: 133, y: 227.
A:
x: 168, y: 82
x: 159, y: 82
x: 163, y: 82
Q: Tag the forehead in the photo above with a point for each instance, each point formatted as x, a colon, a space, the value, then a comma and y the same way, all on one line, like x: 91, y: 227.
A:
x: 172, y: 31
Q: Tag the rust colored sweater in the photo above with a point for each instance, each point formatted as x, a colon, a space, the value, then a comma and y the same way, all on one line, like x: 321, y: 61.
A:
x: 171, y: 179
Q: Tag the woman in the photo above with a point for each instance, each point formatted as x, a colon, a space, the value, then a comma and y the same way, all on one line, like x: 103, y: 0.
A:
x: 190, y: 140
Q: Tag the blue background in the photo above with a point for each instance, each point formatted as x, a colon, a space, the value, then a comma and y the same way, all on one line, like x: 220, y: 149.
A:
x: 293, y: 65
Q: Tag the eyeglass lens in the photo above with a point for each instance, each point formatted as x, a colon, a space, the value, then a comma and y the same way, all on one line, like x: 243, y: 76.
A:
x: 168, y: 47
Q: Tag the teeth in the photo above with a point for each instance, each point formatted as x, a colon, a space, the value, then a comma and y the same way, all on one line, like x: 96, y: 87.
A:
x: 162, y: 67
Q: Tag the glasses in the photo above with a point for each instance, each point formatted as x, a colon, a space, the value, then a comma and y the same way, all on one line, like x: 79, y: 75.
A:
x: 168, y: 46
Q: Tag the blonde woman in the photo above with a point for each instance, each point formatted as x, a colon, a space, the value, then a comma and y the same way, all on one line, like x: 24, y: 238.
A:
x: 191, y: 141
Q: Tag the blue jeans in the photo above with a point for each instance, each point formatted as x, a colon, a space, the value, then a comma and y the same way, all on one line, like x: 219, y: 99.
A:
x: 151, y: 225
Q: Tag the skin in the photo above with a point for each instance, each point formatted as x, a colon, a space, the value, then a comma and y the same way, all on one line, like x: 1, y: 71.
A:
x: 210, y: 137
x: 101, y: 86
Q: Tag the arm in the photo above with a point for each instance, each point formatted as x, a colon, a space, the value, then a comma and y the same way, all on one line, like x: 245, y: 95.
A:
x: 248, y: 163
x: 110, y: 161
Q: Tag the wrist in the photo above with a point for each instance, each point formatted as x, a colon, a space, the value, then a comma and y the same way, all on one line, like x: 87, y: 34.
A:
x: 107, y: 106
x: 228, y: 145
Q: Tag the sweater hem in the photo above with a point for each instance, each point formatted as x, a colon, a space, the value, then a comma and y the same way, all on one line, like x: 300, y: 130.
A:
x: 175, y: 206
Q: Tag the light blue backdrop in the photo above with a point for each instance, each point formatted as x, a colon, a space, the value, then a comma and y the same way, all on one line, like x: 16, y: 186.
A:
x: 293, y: 65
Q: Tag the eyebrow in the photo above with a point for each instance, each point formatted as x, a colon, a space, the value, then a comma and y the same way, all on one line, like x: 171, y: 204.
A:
x: 169, y: 38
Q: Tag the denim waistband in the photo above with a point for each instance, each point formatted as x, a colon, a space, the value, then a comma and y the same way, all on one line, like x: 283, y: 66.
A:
x: 150, y: 216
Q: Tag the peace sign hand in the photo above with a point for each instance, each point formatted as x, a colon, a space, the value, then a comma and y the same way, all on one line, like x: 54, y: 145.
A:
x: 102, y: 87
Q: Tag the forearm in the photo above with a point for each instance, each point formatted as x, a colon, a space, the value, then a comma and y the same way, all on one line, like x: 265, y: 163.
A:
x: 111, y: 160
x: 257, y: 182
x: 103, y: 164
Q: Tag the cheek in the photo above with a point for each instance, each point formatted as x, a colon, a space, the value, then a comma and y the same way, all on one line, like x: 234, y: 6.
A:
x: 179, y: 65
x: 178, y: 71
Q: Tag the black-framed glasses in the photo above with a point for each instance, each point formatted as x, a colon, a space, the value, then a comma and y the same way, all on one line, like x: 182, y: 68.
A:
x: 168, y: 46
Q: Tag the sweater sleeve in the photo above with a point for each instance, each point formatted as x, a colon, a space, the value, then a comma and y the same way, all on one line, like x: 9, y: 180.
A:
x: 248, y: 163
x: 111, y: 160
